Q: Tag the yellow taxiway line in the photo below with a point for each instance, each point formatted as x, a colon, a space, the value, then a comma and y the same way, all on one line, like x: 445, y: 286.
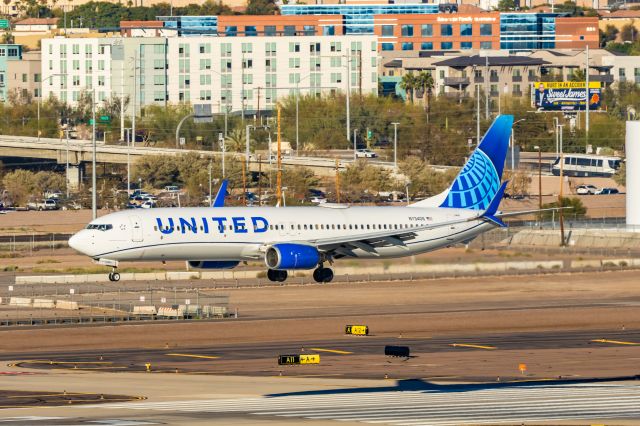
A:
x: 467, y: 345
x: 333, y: 351
x: 194, y: 356
x: 615, y: 342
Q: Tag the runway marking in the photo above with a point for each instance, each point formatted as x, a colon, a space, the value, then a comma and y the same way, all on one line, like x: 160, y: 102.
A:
x: 194, y: 356
x: 615, y: 342
x: 433, y: 405
x: 469, y: 345
x: 333, y: 351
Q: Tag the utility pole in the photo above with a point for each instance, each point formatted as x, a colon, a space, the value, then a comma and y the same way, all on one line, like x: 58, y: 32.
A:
x: 94, y: 189
x: 486, y: 91
x: 67, y: 169
x: 122, y: 100
x: 210, y: 189
x: 555, y: 128
x: 347, y: 92
x: 338, y: 180
x: 355, y: 141
x: 586, y: 104
x: 279, y: 163
x: 135, y: 96
x: 247, y: 144
x: 395, y: 146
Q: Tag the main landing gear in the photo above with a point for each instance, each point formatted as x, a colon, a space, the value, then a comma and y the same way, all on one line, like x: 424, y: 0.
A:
x: 114, y: 276
x: 276, y: 275
x: 322, y: 274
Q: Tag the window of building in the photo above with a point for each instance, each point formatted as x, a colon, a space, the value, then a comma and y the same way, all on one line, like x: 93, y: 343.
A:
x: 247, y: 47
x: 294, y: 47
x: 387, y: 46
x: 36, y: 78
x: 24, y: 78
x: 622, y: 73
x: 486, y: 29
x: 247, y: 64
x: 465, y: 45
x: 314, y: 48
x: 466, y: 30
x: 407, y: 45
x: 294, y: 78
x: 336, y: 46
x: 205, y: 64
x: 494, y: 75
x: 356, y: 46
x: 446, y: 30
x: 446, y: 45
x: 426, y: 30
x: 336, y: 61
x: 158, y: 80
x: 407, y: 31
x: 270, y: 49
x: 183, y: 50
x: 250, y: 31
x: 270, y: 64
x: 225, y: 49
x: 88, y: 81
x: 329, y: 30
x: 516, y: 89
x: 486, y: 45
x: 76, y: 80
x: 205, y: 95
x: 204, y: 48
x: 387, y: 30
x: 289, y: 30
x: 158, y: 64
x: 247, y: 79
x: 426, y: 45
x: 101, y: 80
x: 225, y: 65
x: 294, y: 62
x: 158, y: 96
x: 231, y: 31
x: 309, y: 30
x: 336, y: 77
x: 269, y: 30
x: 100, y: 65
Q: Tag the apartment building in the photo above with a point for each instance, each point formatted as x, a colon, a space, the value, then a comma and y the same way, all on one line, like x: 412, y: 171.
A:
x: 8, y: 53
x: 229, y: 73
x: 24, y: 77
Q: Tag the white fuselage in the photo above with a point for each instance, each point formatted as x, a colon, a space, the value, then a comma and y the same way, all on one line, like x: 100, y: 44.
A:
x: 230, y: 233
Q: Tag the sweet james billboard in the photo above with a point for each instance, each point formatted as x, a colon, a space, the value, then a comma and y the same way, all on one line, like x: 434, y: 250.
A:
x: 566, y: 95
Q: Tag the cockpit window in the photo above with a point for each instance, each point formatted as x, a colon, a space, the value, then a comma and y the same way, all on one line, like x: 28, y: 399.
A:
x: 100, y: 226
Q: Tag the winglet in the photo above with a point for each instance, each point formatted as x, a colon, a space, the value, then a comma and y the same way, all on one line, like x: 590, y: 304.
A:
x: 489, y: 214
x: 222, y: 192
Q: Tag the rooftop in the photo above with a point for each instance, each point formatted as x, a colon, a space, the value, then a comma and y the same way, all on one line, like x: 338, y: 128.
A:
x: 38, y: 21
x: 469, y: 61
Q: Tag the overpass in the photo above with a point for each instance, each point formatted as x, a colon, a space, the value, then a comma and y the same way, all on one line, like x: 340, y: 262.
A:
x: 80, y: 152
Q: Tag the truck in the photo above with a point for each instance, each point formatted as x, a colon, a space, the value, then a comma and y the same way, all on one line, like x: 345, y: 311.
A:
x: 48, y: 204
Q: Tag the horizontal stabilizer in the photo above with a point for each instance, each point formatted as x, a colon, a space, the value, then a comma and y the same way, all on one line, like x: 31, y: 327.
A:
x: 490, y: 213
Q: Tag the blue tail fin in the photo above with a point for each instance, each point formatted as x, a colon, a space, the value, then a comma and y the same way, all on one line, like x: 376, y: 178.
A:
x: 479, y: 180
x: 222, y: 192
x: 490, y: 213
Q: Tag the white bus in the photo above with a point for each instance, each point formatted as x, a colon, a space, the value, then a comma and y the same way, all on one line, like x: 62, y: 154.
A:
x: 583, y: 165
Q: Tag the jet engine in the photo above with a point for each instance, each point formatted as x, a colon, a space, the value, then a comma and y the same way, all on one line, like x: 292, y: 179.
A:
x: 292, y: 256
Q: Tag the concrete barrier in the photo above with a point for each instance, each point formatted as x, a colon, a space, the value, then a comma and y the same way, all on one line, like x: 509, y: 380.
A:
x: 145, y: 310
x: 21, y: 301
x: 67, y: 305
x: 44, y: 303
x: 170, y: 312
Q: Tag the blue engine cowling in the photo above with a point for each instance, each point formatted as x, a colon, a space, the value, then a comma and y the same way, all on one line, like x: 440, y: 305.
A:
x: 292, y: 256
x: 213, y: 264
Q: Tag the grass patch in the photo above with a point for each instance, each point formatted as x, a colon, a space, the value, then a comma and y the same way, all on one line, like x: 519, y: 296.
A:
x: 10, y: 255
x: 9, y: 268
x: 43, y: 261
x: 92, y: 270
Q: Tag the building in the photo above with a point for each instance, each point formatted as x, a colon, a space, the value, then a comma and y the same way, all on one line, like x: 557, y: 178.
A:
x: 8, y: 53
x: 234, y: 74
x: 24, y: 77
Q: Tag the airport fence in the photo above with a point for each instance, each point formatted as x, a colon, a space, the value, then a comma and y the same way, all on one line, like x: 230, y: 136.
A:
x: 94, y: 303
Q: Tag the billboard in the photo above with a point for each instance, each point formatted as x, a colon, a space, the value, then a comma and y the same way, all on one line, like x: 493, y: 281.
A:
x: 566, y: 95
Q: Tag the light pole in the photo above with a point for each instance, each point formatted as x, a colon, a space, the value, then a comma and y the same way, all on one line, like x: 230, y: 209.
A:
x: 40, y: 97
x: 586, y: 104
x: 128, y: 137
x: 355, y: 148
x: 555, y: 130
x: 67, y: 166
x: 513, y: 143
x: 395, y: 146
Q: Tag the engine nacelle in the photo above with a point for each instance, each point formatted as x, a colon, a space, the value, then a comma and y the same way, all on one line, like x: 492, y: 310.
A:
x: 292, y: 256
x: 213, y: 264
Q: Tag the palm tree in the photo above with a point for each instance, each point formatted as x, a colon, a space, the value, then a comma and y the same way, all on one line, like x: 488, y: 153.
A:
x: 408, y: 84
x: 236, y: 141
x: 425, y: 82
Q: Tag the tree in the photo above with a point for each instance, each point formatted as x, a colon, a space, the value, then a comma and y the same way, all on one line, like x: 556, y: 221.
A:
x: 20, y: 184
x: 408, y: 84
x: 578, y: 75
x: 236, y: 140
x: 609, y: 34
x: 506, y: 5
x: 298, y: 181
x: 423, y: 180
x: 629, y: 32
x: 425, y: 82
x: 361, y: 177
x: 621, y: 175
x: 261, y: 7
x: 156, y: 171
x: 573, y: 208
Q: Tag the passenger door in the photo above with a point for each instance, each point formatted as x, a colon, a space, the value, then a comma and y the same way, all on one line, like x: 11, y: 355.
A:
x: 136, y: 229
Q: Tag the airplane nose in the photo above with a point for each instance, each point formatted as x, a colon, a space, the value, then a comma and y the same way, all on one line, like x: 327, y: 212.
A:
x: 75, y: 242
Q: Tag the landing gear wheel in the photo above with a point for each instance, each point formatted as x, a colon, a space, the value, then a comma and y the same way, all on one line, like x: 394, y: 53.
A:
x: 323, y: 275
x: 276, y: 275
x: 115, y: 276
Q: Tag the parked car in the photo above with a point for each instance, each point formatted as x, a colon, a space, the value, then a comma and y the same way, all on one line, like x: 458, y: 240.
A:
x: 148, y: 204
x: 172, y: 188
x: 71, y: 205
x: 586, y: 190
x: 365, y: 153
x: 318, y: 200
x: 49, y: 204
x: 56, y: 195
x: 607, y: 191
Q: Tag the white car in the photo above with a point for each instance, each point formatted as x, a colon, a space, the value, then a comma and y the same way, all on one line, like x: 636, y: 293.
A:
x: 365, y: 153
x: 586, y: 190
x: 318, y: 200
x: 148, y: 205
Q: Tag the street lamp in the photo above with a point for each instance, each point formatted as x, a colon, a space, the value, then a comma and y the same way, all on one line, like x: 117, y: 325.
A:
x: 40, y: 97
x: 513, y: 142
x: 395, y: 146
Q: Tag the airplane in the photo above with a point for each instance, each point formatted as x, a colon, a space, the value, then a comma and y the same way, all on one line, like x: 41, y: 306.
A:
x: 294, y: 238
